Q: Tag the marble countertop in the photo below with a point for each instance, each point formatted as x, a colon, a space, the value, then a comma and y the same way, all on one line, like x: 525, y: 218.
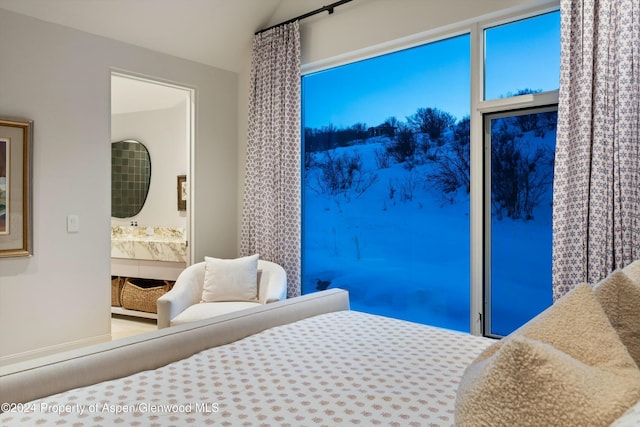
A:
x: 153, y: 233
x: 149, y: 243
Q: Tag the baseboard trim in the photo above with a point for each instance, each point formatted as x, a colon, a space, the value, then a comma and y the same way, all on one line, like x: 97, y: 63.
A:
x: 58, y: 348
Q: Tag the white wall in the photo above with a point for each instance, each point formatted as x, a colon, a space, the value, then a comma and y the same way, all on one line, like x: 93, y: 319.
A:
x: 164, y: 133
x: 60, y: 78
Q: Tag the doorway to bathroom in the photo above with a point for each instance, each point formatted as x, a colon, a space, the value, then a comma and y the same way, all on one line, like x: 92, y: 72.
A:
x: 151, y: 206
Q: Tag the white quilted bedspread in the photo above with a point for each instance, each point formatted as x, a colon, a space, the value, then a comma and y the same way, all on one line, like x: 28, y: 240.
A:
x: 334, y: 369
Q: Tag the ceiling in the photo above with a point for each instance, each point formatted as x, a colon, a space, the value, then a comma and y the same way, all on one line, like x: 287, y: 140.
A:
x: 213, y: 32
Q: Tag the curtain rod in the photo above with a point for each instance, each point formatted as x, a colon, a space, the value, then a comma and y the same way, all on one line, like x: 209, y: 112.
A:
x: 328, y: 8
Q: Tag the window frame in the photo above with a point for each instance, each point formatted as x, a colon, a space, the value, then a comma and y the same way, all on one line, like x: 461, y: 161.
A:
x: 539, y: 107
x: 478, y: 107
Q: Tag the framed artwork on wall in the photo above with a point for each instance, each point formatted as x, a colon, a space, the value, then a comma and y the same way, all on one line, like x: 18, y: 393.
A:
x: 16, y: 139
x: 182, y: 192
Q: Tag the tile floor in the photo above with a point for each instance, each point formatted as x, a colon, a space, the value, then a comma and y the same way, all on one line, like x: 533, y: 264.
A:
x: 125, y: 326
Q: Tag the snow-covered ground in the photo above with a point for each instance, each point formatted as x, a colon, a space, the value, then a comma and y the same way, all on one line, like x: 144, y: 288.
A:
x: 401, y: 247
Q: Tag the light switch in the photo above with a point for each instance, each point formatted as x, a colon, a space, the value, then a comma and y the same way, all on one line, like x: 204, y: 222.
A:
x: 73, y: 223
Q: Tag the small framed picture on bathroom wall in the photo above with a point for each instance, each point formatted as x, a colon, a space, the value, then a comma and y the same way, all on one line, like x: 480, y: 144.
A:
x: 16, y: 136
x: 182, y: 192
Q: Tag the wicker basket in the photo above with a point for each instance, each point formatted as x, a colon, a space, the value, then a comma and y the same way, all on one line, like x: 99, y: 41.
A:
x: 116, y: 289
x: 143, y: 294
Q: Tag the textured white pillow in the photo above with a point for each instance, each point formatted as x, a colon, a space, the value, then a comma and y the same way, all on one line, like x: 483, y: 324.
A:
x: 230, y: 279
x: 565, y: 367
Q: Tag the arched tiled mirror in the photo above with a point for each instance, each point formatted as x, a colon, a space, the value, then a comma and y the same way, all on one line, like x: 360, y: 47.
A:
x: 130, y: 177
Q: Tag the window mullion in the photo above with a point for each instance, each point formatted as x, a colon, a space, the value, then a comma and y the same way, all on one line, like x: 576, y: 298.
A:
x: 476, y: 193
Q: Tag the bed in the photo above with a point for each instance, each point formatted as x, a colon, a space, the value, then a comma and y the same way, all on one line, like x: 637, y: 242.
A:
x: 304, y: 361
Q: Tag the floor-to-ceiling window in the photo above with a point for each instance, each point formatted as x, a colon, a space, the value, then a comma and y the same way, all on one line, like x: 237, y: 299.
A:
x: 386, y: 189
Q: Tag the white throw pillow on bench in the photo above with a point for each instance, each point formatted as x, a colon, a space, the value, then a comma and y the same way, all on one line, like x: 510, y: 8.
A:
x: 231, y: 279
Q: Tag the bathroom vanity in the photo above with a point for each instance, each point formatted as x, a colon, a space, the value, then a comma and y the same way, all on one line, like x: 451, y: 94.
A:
x: 147, y: 253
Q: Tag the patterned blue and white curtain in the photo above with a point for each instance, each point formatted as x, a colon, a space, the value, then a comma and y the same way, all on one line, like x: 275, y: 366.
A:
x: 596, y: 218
x: 271, y: 205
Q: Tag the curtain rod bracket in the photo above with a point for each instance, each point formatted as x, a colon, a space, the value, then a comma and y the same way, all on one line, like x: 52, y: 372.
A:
x: 330, y: 8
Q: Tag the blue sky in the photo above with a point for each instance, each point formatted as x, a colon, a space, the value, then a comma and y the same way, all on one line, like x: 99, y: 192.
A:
x: 396, y: 84
x: 525, y: 54
x: 518, y: 56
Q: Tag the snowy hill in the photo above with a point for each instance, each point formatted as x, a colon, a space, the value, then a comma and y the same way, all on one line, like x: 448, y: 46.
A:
x: 386, y: 231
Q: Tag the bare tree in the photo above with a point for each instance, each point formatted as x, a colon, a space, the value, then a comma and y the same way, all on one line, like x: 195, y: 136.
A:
x: 452, y: 169
x: 432, y: 122
x: 403, y: 147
